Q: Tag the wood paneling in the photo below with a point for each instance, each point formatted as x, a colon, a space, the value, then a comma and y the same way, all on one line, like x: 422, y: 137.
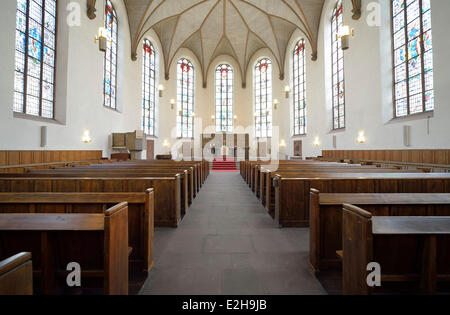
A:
x: 441, y: 156
x: 35, y: 157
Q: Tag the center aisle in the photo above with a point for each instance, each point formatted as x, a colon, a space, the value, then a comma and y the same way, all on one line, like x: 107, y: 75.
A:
x: 228, y: 244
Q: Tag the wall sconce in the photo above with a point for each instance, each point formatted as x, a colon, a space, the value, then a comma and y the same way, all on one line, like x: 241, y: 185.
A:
x: 161, y: 90
x: 361, y: 137
x: 276, y: 103
x: 287, y: 90
x: 235, y: 117
x: 213, y: 118
x: 283, y: 144
x: 86, y: 138
x: 101, y: 38
x: 192, y: 115
x: 344, y: 34
x: 256, y: 115
x: 172, y: 103
x: 316, y: 142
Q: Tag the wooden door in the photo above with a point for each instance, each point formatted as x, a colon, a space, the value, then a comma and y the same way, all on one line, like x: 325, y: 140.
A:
x: 298, y: 148
x: 150, y: 150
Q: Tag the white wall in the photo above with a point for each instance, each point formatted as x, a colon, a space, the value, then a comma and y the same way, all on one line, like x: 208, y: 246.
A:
x: 368, y: 78
x: 79, y: 98
x: 368, y: 74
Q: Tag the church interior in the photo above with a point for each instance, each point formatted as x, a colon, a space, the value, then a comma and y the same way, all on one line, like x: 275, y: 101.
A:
x: 224, y: 147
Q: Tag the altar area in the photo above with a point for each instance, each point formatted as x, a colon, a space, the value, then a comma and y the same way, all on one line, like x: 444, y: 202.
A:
x: 226, y: 146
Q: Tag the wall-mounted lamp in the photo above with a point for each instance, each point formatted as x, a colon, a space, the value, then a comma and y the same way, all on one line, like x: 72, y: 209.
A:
x: 86, y: 138
x: 316, y: 142
x: 287, y: 90
x: 166, y: 143
x: 283, y: 143
x: 276, y: 103
x: 213, y: 118
x: 344, y: 34
x: 235, y: 117
x: 102, y: 38
x: 172, y: 104
x: 161, y: 90
x: 192, y: 115
x: 361, y: 137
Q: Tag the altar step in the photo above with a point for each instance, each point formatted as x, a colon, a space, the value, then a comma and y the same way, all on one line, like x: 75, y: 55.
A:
x: 224, y: 165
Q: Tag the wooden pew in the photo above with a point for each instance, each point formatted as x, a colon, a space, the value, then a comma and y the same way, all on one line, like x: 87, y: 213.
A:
x: 326, y: 217
x: 192, y: 170
x: 266, y: 190
x: 186, y: 184
x: 167, y: 194
x: 16, y: 275
x: 98, y: 242
x: 408, y: 249
x: 292, y: 194
x: 140, y: 215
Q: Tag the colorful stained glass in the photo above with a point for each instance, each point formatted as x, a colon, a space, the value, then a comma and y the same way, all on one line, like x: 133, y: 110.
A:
x: 110, y: 60
x: 338, y: 97
x: 35, y: 41
x: 263, y: 98
x: 149, y: 86
x: 224, y: 98
x: 185, y: 99
x: 299, y: 89
x: 413, y: 89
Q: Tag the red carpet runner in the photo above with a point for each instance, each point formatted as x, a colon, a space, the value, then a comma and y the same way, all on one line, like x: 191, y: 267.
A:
x: 227, y: 165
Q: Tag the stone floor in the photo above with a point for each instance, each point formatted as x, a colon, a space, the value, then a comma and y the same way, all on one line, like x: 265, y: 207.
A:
x: 228, y: 244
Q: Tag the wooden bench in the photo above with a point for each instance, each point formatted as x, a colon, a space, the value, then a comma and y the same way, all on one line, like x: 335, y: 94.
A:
x: 408, y: 249
x: 140, y: 215
x: 98, y: 242
x: 326, y: 217
x: 292, y: 194
x: 166, y: 190
x: 16, y: 275
x: 186, y: 184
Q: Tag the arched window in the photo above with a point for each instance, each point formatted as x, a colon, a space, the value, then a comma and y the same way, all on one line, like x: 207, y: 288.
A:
x: 337, y: 56
x: 110, y: 63
x: 34, y: 85
x: 413, y: 57
x: 149, y: 86
x: 185, y: 95
x: 299, y: 91
x: 263, y: 98
x: 224, y: 98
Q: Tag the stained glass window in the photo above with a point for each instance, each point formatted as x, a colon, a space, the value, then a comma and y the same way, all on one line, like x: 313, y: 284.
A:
x: 149, y: 86
x: 299, y: 92
x: 413, y: 57
x: 185, y: 99
x: 263, y: 98
x: 337, y: 57
x: 224, y: 98
x: 110, y: 61
x: 35, y: 53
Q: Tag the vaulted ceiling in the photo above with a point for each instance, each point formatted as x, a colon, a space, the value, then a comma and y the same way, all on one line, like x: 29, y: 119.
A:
x: 210, y: 28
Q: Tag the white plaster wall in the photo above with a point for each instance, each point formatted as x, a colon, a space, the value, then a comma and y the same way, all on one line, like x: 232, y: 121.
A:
x: 368, y: 78
x: 368, y: 74
x: 79, y: 98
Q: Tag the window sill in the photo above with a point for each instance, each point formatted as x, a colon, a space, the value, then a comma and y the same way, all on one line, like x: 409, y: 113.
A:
x: 418, y: 116
x: 336, y: 130
x: 300, y: 136
x: 112, y: 109
x: 36, y: 118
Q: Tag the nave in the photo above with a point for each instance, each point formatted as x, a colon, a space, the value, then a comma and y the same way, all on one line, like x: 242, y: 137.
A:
x: 228, y: 244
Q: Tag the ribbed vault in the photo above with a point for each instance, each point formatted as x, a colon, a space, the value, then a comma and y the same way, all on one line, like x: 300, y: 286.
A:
x: 211, y: 28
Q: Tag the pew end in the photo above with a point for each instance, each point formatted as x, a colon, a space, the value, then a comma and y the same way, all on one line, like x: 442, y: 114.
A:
x: 16, y: 275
